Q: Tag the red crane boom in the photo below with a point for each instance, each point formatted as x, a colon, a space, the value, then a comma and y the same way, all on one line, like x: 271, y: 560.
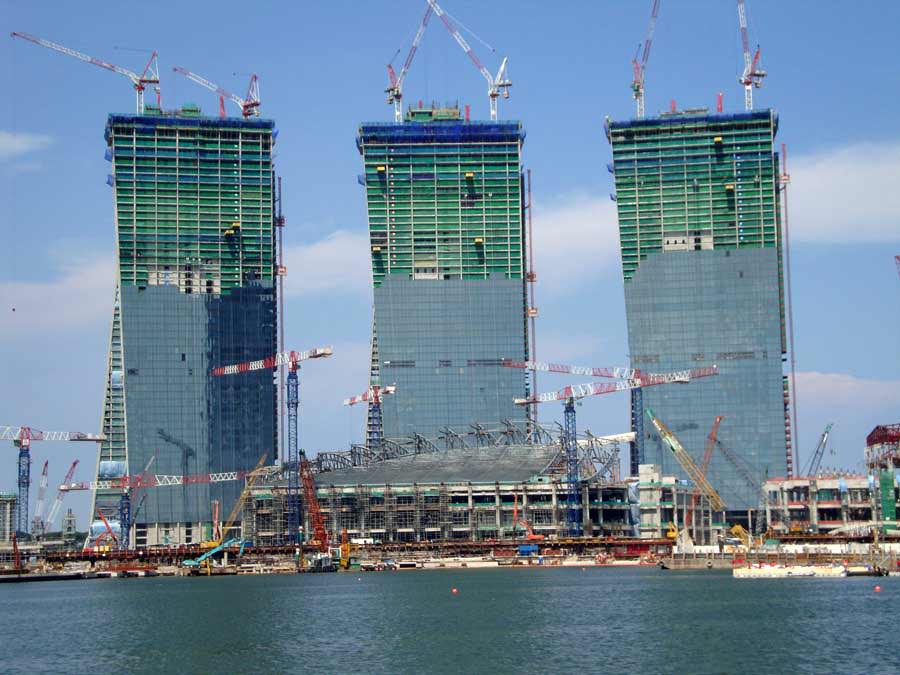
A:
x: 320, y: 534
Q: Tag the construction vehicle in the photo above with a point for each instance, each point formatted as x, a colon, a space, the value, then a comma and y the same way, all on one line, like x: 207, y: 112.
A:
x: 149, y: 76
x: 238, y: 505
x: 704, y: 468
x: 57, y: 502
x: 815, y: 461
x: 517, y: 522
x: 684, y: 459
x: 22, y: 437
x: 747, y: 540
x: 345, y: 550
x: 207, y: 556
x: 320, y: 534
x: 107, y: 535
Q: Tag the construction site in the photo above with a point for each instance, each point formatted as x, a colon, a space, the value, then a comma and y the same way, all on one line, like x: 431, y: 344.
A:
x: 197, y: 466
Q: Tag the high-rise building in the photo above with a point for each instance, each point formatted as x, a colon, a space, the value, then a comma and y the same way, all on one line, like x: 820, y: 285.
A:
x: 194, y: 290
x: 700, y: 233
x: 445, y: 207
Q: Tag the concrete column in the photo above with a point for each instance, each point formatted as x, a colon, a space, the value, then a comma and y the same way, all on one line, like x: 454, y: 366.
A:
x: 813, y: 505
x: 471, y: 514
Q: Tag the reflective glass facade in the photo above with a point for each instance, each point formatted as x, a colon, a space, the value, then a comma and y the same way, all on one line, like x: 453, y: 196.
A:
x: 698, y: 207
x: 441, y: 343
x: 444, y: 201
x: 691, y: 308
x: 195, y: 242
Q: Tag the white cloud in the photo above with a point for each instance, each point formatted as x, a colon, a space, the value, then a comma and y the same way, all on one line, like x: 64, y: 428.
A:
x: 846, y: 194
x: 576, y: 240
x: 17, y: 144
x: 843, y: 392
x: 339, y: 262
x: 81, y: 296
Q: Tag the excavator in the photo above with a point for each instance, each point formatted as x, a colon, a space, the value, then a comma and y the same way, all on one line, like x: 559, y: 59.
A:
x: 529, y: 532
x: 747, y: 540
x: 107, y: 535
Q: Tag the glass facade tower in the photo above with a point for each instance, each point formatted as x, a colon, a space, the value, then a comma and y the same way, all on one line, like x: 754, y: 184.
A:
x: 700, y: 234
x: 195, y: 248
x: 444, y: 198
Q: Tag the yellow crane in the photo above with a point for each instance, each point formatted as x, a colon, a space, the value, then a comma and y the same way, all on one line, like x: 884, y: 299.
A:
x: 229, y: 524
x: 684, y: 459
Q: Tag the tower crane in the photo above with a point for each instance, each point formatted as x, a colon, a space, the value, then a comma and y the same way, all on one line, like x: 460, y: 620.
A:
x: 395, y: 90
x: 752, y: 75
x: 249, y: 105
x: 150, y: 74
x: 57, y: 502
x: 640, y: 68
x: 145, y: 481
x: 684, y: 459
x: 496, y: 83
x: 37, y: 523
x: 816, y: 460
x: 22, y: 438
x: 373, y: 396
x: 574, y: 392
x: 292, y: 360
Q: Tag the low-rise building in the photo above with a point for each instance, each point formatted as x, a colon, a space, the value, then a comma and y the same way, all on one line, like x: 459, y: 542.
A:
x: 472, y: 494
x: 667, y: 505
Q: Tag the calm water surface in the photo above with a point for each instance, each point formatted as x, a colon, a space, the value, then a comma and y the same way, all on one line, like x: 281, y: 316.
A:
x: 524, y: 620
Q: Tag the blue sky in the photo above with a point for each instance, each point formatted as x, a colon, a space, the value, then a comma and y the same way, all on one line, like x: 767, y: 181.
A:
x: 833, y: 77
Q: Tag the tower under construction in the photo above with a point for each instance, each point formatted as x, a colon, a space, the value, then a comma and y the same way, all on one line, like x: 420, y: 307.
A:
x: 445, y: 210
x: 700, y: 233
x: 194, y: 290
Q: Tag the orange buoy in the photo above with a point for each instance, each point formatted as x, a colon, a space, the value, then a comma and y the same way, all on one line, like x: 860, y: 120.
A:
x: 878, y: 589
x: 454, y: 590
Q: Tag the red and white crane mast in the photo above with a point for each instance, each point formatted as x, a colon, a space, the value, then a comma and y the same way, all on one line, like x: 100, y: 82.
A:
x: 150, y: 74
x: 373, y: 396
x: 640, y: 68
x: 395, y: 90
x: 752, y: 75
